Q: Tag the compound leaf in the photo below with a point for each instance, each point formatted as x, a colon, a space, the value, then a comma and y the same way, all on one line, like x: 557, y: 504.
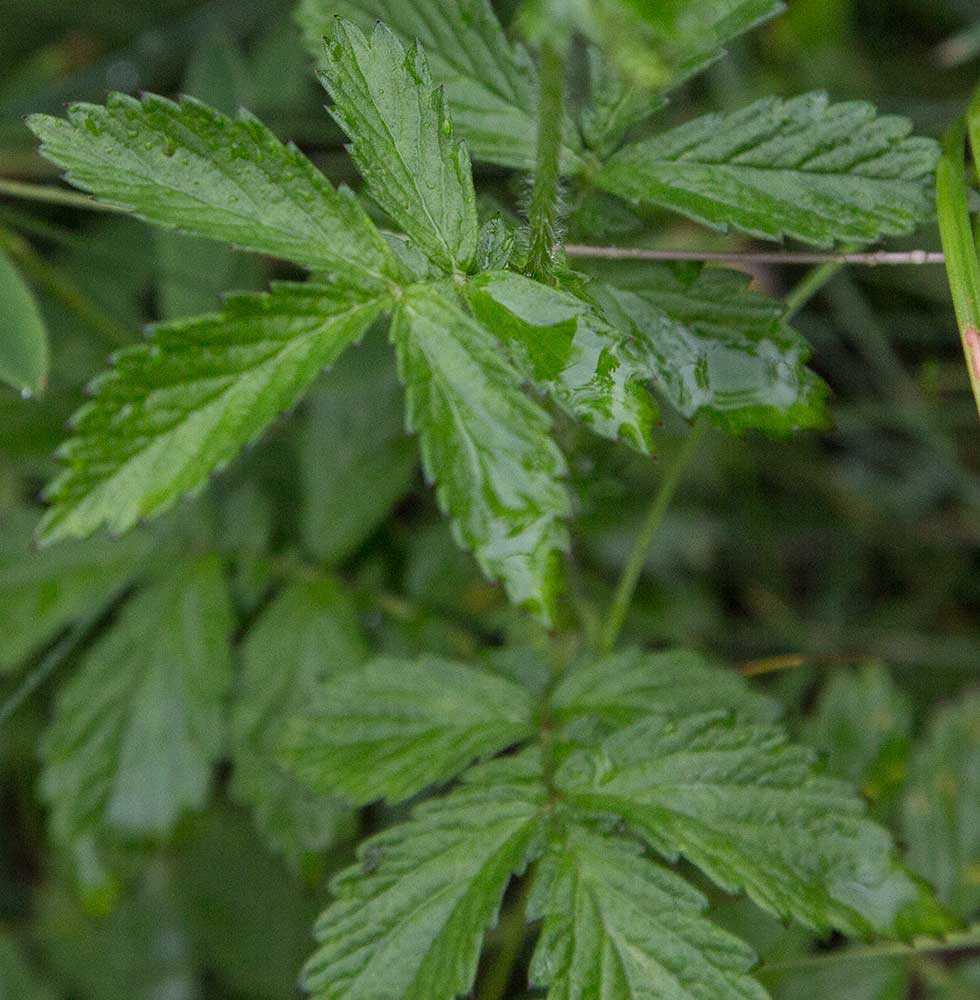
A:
x: 403, y: 141
x: 173, y: 410
x: 394, y: 727
x: 139, y: 726
x: 485, y: 444
x: 621, y: 689
x: 24, y: 341
x: 713, y: 346
x: 42, y: 592
x: 747, y: 808
x: 802, y: 168
x: 489, y: 82
x: 570, y: 351
x: 941, y: 810
x: 189, y: 167
x: 619, y: 927
x: 308, y: 635
x: 409, y: 918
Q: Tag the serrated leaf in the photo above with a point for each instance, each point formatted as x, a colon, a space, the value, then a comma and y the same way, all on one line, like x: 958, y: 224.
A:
x: 308, y: 635
x: 485, y: 444
x: 803, y: 168
x: 489, y: 82
x: 621, y: 689
x: 23, y: 337
x: 42, y: 592
x: 619, y: 927
x: 747, y: 808
x: 941, y: 811
x: 188, y: 167
x: 395, y: 727
x: 409, y: 918
x: 356, y: 461
x: 137, y: 729
x: 862, y: 723
x: 713, y: 346
x: 570, y: 351
x: 173, y: 410
x: 403, y: 141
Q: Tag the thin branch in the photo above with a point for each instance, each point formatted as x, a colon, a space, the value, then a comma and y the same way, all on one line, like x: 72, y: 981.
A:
x: 628, y: 582
x: 968, y: 940
x: 877, y: 258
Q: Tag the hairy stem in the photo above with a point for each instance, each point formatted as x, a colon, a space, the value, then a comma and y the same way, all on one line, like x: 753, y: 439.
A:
x: 876, y: 258
x: 544, y: 210
x: 644, y: 539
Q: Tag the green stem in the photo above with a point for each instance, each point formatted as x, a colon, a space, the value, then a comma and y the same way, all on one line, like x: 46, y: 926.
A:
x: 544, y: 210
x: 962, y: 263
x: 52, y: 196
x: 644, y: 540
x: 967, y: 941
x: 61, y: 288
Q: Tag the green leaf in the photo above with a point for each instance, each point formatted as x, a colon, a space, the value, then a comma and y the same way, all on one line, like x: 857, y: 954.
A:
x: 189, y: 167
x: 621, y: 689
x: 355, y: 459
x: 485, y: 444
x: 489, y: 82
x: 24, y: 341
x: 616, y: 105
x: 618, y: 927
x: 862, y: 723
x: 306, y: 636
x: 747, y: 808
x: 717, y: 348
x: 802, y: 168
x: 410, y: 917
x: 569, y: 350
x: 42, y: 592
x: 395, y: 727
x: 941, y: 821
x: 403, y: 141
x: 139, y: 726
x: 182, y: 405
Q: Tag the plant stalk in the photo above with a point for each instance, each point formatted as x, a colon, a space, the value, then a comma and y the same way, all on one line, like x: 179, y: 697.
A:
x: 878, y: 258
x: 545, y: 209
x: 644, y: 540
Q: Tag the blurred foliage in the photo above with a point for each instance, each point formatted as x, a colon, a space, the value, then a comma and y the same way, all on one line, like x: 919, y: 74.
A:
x: 843, y: 567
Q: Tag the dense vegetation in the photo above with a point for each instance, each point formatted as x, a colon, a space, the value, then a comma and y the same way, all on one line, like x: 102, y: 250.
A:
x: 443, y: 599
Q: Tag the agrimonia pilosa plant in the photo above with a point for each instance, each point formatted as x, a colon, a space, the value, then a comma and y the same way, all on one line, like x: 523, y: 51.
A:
x: 597, y: 793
